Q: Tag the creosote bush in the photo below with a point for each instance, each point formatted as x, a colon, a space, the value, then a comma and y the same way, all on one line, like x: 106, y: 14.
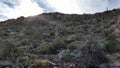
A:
x: 110, y: 42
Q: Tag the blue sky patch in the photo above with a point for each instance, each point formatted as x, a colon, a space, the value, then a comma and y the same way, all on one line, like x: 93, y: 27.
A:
x: 2, y: 17
x: 8, y: 4
x: 44, y: 5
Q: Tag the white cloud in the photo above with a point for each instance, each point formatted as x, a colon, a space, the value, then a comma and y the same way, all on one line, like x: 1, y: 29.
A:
x: 65, y: 6
x: 30, y: 7
x: 25, y: 8
x: 92, y: 6
x: 79, y: 6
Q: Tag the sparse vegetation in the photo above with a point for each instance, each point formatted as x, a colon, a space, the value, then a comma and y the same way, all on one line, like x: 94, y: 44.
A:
x: 24, y: 40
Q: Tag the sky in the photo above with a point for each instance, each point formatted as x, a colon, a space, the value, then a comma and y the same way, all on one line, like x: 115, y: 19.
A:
x: 15, y: 8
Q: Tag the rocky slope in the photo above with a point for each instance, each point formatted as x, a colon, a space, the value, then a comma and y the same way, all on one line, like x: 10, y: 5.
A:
x: 52, y: 39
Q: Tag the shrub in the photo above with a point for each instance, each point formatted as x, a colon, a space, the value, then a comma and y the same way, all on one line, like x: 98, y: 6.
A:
x: 59, y: 42
x: 11, y: 51
x: 72, y: 48
x: 75, y: 45
x: 108, y: 31
x: 48, y: 48
x: 110, y: 43
x: 66, y: 57
x: 42, y: 63
x: 44, y: 48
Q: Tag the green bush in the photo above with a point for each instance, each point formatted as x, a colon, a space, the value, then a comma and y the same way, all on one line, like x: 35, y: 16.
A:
x: 66, y: 57
x: 110, y: 43
x: 45, y: 50
x: 48, y: 48
x: 72, y: 48
x: 11, y: 50
x: 108, y: 31
x: 59, y: 42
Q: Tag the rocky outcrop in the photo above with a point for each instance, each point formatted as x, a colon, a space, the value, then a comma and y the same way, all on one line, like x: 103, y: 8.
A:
x: 116, y: 26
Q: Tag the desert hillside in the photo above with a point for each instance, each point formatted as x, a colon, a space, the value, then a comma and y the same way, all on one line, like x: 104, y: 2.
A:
x: 56, y: 39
